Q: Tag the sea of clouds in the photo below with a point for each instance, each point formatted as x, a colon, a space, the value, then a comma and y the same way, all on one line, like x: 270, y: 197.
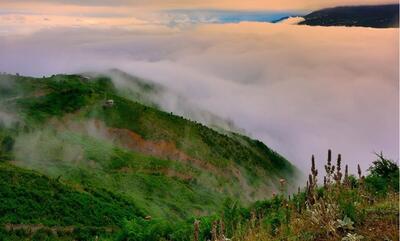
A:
x: 299, y: 89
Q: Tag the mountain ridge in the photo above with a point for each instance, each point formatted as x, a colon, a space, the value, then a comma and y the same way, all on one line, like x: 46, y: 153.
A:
x: 375, y: 16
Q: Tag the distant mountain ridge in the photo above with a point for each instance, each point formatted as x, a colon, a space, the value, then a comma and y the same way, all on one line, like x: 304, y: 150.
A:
x: 375, y: 16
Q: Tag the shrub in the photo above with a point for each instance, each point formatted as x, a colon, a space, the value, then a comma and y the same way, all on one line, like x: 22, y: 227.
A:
x: 384, y: 176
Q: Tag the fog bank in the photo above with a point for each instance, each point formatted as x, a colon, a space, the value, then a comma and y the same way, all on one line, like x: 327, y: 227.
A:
x: 299, y: 89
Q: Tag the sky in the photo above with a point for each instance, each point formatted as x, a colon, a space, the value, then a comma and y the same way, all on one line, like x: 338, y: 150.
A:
x: 190, y: 4
x: 35, y: 14
x: 299, y: 89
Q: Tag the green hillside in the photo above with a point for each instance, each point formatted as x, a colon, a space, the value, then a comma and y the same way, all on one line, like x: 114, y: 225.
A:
x: 32, y: 198
x: 163, y: 165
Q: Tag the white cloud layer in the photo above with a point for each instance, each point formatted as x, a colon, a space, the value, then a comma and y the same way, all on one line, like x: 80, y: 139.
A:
x: 300, y: 89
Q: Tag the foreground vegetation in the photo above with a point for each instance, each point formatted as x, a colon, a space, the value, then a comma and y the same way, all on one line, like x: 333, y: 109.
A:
x: 344, y: 208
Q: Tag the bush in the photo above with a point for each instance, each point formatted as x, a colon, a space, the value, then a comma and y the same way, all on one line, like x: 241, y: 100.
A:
x: 384, y: 176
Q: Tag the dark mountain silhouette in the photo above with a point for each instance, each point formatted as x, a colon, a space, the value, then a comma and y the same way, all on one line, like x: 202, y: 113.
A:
x: 377, y: 16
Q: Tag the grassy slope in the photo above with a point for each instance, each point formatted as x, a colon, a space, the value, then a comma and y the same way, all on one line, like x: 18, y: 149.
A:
x: 227, y: 165
x: 28, y: 197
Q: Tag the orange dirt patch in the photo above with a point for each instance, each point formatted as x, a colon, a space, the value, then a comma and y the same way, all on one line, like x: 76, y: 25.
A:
x: 133, y: 141
x: 162, y: 149
x: 40, y: 93
x: 130, y: 140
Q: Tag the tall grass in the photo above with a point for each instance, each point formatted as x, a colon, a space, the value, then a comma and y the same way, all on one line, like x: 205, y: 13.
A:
x: 343, y: 208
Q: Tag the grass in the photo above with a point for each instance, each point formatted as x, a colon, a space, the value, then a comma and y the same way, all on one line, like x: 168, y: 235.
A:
x: 279, y: 218
x: 31, y: 198
x: 144, y: 179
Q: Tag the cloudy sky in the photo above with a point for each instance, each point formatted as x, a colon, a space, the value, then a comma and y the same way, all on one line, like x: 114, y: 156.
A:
x: 47, y: 13
x: 300, y: 89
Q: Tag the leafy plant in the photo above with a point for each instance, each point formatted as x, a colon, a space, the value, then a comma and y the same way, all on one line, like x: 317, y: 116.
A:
x: 353, y: 237
x: 346, y: 223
